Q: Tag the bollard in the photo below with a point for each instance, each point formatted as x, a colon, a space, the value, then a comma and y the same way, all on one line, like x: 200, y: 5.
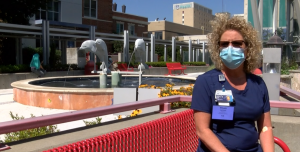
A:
x: 103, y: 80
x: 115, y: 79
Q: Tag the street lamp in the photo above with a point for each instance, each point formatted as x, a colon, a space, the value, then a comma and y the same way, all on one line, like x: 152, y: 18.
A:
x: 275, y: 41
x: 272, y: 67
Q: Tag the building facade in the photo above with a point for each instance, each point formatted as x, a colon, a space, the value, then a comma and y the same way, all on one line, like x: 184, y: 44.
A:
x: 136, y: 25
x: 165, y: 30
x: 81, y: 14
x: 78, y: 15
x: 193, y: 14
x: 273, y: 15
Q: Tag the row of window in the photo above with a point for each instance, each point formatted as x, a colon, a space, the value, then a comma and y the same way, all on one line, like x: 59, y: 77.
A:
x: 120, y: 28
x: 90, y: 8
x: 53, y: 10
x: 51, y: 13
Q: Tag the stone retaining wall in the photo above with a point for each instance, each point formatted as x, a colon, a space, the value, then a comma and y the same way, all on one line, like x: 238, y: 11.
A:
x: 291, y: 81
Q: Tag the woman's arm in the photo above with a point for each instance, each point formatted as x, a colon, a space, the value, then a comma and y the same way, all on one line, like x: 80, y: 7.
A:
x: 264, y: 126
x: 210, y: 140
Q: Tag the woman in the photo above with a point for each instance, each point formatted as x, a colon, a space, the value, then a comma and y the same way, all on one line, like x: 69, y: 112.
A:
x: 36, y: 65
x: 228, y: 100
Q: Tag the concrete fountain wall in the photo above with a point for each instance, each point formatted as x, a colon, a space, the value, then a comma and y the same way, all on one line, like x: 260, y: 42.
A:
x: 66, y: 98
x: 61, y: 98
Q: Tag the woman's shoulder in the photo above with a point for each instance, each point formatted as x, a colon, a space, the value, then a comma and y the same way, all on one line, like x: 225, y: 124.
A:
x: 256, y: 79
x: 207, y: 76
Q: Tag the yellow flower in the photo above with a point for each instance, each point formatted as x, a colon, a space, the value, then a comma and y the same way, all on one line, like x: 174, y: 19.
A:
x: 132, y: 115
x: 119, y: 117
x: 139, y: 111
x: 191, y: 85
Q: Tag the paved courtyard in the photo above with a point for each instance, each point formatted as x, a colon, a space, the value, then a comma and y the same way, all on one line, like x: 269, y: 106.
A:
x: 7, y: 105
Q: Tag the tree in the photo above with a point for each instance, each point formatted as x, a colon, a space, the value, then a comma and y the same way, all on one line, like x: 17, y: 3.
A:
x: 20, y: 11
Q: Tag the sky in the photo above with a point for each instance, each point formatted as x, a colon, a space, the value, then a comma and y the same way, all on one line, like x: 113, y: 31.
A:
x: 164, y: 8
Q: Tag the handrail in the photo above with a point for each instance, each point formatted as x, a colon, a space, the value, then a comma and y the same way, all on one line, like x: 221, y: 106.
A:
x: 282, y: 144
x: 290, y: 92
x: 12, y: 126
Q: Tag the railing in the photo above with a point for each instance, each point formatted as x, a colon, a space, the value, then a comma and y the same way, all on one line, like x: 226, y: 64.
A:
x: 176, y: 132
x: 281, y: 144
x: 290, y: 92
x: 13, y: 126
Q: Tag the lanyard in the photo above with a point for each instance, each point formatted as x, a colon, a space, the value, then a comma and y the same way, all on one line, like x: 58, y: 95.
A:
x: 222, y: 81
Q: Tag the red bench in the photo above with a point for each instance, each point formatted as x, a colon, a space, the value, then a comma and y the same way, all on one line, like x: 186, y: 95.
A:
x: 172, y: 66
x: 124, y: 67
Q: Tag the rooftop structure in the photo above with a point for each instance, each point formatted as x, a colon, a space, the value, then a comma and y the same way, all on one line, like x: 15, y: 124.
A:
x: 192, y: 14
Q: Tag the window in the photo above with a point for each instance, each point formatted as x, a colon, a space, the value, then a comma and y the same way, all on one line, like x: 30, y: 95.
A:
x: 182, y: 17
x: 182, y: 12
x: 90, y: 8
x: 131, y: 29
x: 120, y: 28
x: 52, y: 12
x: 158, y: 35
x: 182, y: 22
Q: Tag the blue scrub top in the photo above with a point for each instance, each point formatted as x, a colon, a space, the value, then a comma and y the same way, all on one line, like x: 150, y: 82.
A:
x: 240, y: 133
x: 35, y: 61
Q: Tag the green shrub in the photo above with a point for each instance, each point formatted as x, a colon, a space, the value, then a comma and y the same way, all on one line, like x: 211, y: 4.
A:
x: 194, y: 63
x: 156, y: 64
x: 26, y: 68
x: 288, y: 65
x: 14, y: 68
x: 28, y: 133
x: 89, y: 123
x: 163, y: 64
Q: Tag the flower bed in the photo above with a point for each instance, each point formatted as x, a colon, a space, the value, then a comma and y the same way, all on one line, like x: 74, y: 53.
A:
x: 168, y: 90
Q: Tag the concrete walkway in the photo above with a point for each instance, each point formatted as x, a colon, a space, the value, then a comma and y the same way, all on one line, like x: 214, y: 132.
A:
x: 7, y: 105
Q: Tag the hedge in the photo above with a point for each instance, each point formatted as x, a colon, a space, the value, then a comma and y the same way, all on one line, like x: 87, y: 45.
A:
x: 163, y: 64
x: 26, y: 68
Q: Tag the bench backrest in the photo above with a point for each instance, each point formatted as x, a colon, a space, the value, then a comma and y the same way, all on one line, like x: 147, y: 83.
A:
x: 173, y: 65
x: 122, y: 66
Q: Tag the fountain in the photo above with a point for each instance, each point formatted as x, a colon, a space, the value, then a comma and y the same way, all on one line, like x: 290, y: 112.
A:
x: 84, y: 92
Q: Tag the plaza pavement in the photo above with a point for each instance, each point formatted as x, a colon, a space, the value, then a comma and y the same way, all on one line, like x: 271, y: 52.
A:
x: 7, y: 105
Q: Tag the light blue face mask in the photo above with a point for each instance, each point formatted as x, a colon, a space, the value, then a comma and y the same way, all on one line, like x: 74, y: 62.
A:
x: 232, y: 57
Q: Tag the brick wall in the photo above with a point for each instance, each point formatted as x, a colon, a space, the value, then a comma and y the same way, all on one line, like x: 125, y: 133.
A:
x: 103, y: 22
x: 139, y: 28
x: 129, y: 16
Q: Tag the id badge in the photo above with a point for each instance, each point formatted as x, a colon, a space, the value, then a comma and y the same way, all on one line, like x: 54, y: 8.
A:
x: 222, y: 112
x: 224, y: 96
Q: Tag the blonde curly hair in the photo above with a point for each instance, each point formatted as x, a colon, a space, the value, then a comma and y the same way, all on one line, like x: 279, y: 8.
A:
x: 253, y: 44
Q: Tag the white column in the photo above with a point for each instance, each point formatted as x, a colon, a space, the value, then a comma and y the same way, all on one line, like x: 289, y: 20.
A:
x: 203, y: 51
x: 173, y: 49
x: 147, y: 52
x: 152, y: 47
x: 275, y: 15
x: 165, y: 53
x: 190, y: 50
